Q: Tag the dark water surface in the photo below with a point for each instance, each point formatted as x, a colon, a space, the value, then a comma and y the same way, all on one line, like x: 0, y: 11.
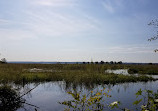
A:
x: 47, y: 95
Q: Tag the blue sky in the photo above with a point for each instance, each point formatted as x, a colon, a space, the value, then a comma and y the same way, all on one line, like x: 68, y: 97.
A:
x: 78, y: 30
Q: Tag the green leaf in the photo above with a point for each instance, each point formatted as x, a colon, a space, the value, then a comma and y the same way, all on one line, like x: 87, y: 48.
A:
x: 139, y: 92
x: 137, y: 102
x: 149, y: 92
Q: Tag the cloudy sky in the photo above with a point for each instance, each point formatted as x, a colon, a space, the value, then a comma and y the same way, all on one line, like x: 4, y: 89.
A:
x: 78, y: 30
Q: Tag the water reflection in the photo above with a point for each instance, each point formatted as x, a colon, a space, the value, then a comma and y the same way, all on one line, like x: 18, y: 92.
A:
x: 47, y: 95
x: 10, y: 99
x: 118, y: 71
x: 125, y: 72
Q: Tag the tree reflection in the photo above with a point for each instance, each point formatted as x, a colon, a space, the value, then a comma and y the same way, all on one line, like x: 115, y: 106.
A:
x: 10, y: 100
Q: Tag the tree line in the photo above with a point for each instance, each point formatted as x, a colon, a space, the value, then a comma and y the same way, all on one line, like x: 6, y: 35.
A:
x: 102, y: 62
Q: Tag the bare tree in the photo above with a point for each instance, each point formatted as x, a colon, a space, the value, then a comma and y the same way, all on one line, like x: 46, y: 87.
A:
x: 154, y: 23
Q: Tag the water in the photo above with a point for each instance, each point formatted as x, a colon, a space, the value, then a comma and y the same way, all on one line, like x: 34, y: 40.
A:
x: 118, y: 71
x: 47, y: 95
x: 125, y: 72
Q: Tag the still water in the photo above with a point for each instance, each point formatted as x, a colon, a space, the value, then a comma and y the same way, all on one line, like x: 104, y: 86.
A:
x: 47, y: 95
x: 125, y: 72
x: 118, y: 71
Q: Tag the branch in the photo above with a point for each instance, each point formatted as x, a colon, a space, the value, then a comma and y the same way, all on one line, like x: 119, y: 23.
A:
x: 31, y: 105
x: 29, y: 91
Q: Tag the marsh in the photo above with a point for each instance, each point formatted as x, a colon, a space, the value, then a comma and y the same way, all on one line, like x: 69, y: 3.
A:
x: 53, y: 81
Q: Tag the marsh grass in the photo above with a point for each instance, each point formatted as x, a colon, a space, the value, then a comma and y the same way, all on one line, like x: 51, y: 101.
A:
x: 70, y: 73
x: 143, y: 69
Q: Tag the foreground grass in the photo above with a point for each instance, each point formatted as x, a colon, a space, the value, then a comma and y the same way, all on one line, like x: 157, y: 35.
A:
x: 70, y: 73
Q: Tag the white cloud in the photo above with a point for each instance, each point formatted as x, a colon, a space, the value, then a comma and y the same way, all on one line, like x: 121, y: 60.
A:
x: 108, y: 6
x: 54, y: 3
x: 55, y: 24
x: 112, y: 5
x: 13, y: 30
x: 15, y: 34
x: 47, y: 24
x: 36, y: 22
x: 131, y: 49
x: 3, y: 21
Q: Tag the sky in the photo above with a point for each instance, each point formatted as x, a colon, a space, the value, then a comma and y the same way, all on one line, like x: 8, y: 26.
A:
x: 78, y: 30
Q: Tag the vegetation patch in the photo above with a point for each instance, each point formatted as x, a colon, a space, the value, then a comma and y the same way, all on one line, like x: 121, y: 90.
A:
x: 70, y: 73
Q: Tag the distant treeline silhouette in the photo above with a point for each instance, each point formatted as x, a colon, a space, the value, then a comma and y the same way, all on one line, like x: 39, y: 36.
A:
x: 102, y: 62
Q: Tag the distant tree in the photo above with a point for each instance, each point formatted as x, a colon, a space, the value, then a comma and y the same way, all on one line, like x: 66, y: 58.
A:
x: 96, y: 62
x: 106, y: 62
x: 154, y: 23
x: 111, y: 62
x: 87, y: 62
x: 58, y: 63
x: 120, y: 62
x: 150, y: 63
x: 101, y: 62
x: 84, y: 62
x: 3, y: 60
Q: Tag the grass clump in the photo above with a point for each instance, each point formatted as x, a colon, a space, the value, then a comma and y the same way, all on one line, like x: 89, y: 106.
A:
x: 143, y: 69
